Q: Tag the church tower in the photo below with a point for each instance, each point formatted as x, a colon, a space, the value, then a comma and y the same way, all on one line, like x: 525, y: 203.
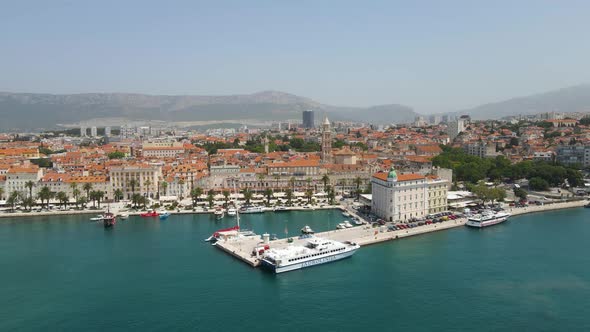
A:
x: 326, y: 142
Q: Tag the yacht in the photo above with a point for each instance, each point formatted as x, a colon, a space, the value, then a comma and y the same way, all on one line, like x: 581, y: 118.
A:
x: 97, y: 218
x: 231, y: 212
x: 341, y: 226
x: 315, y: 251
x: 164, y: 215
x: 487, y: 218
x: 345, y: 214
x: 123, y: 215
x: 347, y: 224
x: 251, y: 209
x: 307, y: 230
x: 281, y: 209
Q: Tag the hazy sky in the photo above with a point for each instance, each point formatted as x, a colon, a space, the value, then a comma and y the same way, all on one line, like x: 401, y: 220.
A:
x: 433, y: 55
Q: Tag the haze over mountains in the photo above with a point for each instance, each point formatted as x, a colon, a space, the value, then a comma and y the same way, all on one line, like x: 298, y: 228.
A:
x: 26, y: 111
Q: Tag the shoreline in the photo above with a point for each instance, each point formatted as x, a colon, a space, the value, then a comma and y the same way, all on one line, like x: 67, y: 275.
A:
x: 512, y: 210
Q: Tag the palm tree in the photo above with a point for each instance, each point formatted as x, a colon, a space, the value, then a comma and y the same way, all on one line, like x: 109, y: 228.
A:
x: 268, y: 194
x: 82, y: 201
x: 99, y: 195
x: 132, y: 183
x: 289, y: 195
x: 277, y: 178
x: 92, y: 197
x: 309, y: 195
x: 260, y: 179
x: 29, y: 185
x: 136, y: 200
x: 196, y: 194
x: 210, y: 197
x: 358, y: 182
x: 76, y: 194
x: 45, y: 194
x: 292, y: 183
x: 308, y: 180
x: 247, y: 195
x: 12, y: 200
x: 87, y: 187
x: 118, y: 194
x: 163, y: 187
x: 331, y: 195
x: 74, y: 186
x: 1, y: 192
x: 226, y: 196
x: 181, y: 183
x: 325, y: 180
x: 147, y: 184
x: 25, y: 200
x: 63, y: 198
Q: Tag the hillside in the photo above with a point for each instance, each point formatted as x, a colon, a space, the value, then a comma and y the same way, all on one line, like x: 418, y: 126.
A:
x: 22, y: 111
x: 572, y: 99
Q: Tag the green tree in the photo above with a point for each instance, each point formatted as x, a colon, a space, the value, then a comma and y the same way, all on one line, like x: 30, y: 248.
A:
x: 87, y: 188
x: 196, y: 194
x: 520, y: 193
x: 132, y: 183
x: 537, y: 183
x: 210, y: 197
x: 331, y: 195
x: 309, y: 195
x: 63, y: 198
x: 44, y: 195
x: 268, y: 194
x: 118, y: 195
x: 289, y: 196
x: 12, y: 200
x: 116, y: 155
x: 226, y: 196
x: 163, y: 187
x: 147, y: 184
x: 1, y: 193
x: 136, y: 200
x: 325, y: 180
x: 247, y: 195
x: 29, y: 185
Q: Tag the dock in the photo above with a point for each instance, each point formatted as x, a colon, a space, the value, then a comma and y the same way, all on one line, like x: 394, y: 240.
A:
x: 364, y: 235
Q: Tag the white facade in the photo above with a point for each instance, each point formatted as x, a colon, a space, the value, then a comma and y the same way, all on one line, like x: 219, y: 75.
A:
x: 17, y: 178
x: 122, y: 175
x: 399, y: 198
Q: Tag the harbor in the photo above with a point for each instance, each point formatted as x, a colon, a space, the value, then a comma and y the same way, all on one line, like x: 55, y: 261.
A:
x: 244, y: 248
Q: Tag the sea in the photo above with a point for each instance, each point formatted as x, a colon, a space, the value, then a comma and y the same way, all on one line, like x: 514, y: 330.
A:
x: 531, y: 273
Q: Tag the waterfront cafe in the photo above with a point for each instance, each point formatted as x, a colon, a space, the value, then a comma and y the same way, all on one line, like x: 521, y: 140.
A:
x: 460, y: 199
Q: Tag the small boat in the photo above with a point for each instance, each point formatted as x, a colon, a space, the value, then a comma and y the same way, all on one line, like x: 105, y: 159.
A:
x: 341, y: 226
x: 345, y: 214
x: 123, y: 215
x: 152, y: 213
x: 97, y: 218
x: 307, y: 230
x: 251, y: 209
x: 231, y: 212
x: 218, y: 213
x: 273, y: 237
x: 109, y: 220
x: 357, y: 222
x: 164, y: 215
x: 587, y: 206
x: 280, y: 209
x: 347, y: 224
x: 232, y: 231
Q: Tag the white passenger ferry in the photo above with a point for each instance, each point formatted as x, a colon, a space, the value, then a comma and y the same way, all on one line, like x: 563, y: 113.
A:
x: 487, y: 218
x: 316, y: 251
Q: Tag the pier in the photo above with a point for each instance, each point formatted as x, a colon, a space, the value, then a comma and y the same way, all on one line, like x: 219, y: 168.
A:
x: 364, y: 235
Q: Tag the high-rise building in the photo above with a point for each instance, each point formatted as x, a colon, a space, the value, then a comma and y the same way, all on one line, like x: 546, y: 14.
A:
x: 308, y: 117
x: 107, y: 131
x: 93, y: 131
x: 454, y: 128
x: 82, y: 131
x: 326, y: 142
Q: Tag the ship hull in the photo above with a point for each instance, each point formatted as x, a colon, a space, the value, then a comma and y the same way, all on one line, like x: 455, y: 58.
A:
x: 308, y: 263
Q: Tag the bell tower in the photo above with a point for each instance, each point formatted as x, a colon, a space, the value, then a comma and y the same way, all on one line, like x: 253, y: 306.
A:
x: 326, y: 141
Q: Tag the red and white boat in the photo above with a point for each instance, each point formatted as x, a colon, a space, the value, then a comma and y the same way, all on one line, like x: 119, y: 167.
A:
x: 149, y: 214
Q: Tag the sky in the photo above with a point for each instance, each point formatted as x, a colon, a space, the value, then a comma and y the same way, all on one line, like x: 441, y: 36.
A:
x: 435, y: 56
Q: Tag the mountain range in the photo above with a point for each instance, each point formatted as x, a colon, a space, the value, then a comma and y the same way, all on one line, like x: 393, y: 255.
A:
x: 31, y: 111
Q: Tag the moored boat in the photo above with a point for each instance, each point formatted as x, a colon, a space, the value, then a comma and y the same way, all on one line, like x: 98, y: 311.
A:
x: 251, y: 209
x: 97, y: 218
x: 152, y: 213
x: 315, y: 252
x: 487, y: 218
x: 307, y: 230
x: 341, y: 226
x: 347, y: 224
x: 109, y: 220
x: 345, y: 214
x: 231, y: 212
x: 164, y: 215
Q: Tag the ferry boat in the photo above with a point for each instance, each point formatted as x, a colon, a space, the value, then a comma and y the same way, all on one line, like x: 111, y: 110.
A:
x: 307, y: 230
x: 109, y: 220
x: 316, y: 251
x: 487, y: 218
x: 251, y: 209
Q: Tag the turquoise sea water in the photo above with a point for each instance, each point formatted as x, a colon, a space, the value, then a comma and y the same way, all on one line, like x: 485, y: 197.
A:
x: 531, y: 273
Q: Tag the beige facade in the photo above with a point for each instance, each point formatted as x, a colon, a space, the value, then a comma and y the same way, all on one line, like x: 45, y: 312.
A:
x: 146, y: 178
